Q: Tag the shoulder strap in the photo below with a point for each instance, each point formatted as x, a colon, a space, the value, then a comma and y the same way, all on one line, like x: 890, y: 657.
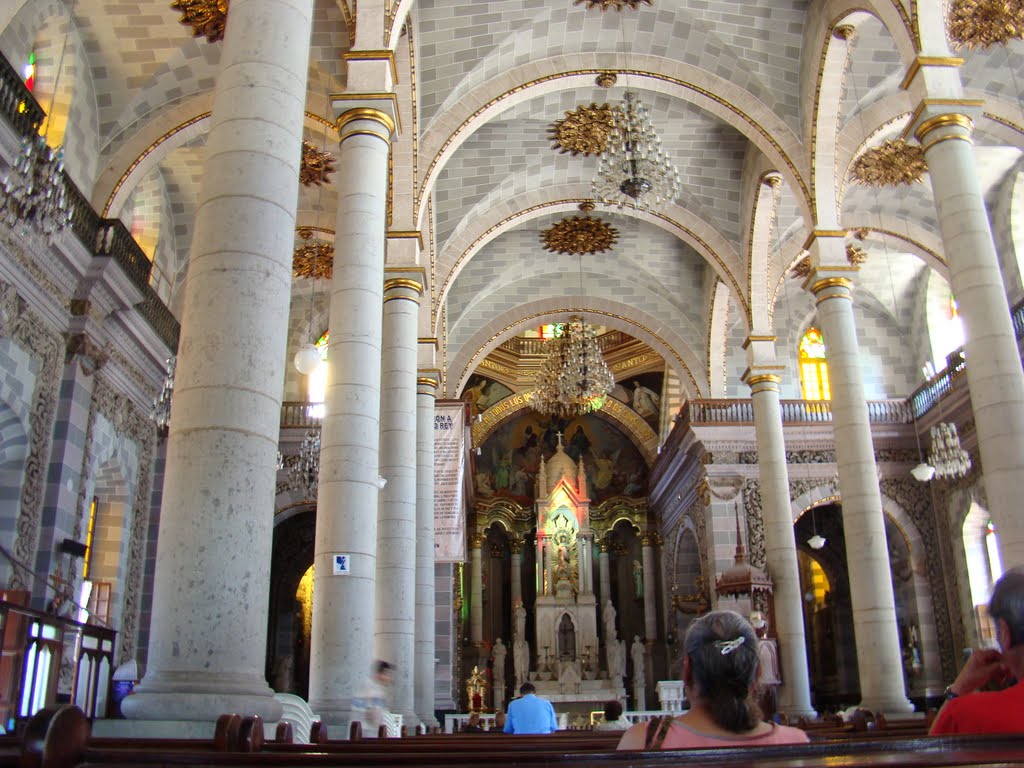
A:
x: 657, y: 730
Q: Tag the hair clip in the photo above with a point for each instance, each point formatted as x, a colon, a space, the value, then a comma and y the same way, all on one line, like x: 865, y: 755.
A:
x: 728, y: 646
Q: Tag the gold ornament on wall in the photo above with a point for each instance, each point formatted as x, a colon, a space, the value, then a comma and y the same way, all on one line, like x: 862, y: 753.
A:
x: 206, y: 17
x: 583, y: 131
x: 579, y: 235
x: 855, y: 256
x: 802, y: 268
x: 586, y: 206
x: 981, y: 23
x: 890, y: 164
x: 317, y: 165
x: 312, y: 259
x: 606, y: 79
x: 617, y: 5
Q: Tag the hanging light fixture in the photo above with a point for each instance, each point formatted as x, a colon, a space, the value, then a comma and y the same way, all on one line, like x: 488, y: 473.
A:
x: 947, y: 455
x: 161, y: 413
x: 307, y: 359
x: 573, y: 378
x: 34, y: 192
x: 817, y: 541
x: 634, y: 171
x: 304, y: 471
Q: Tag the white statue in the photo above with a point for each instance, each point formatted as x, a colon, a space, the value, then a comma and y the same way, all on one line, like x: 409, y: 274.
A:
x: 608, y: 616
x: 636, y: 651
x: 520, y: 648
x: 499, y: 651
x: 616, y: 657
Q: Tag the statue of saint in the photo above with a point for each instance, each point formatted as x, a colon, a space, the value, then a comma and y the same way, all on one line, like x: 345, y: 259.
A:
x: 499, y: 651
x: 638, y: 580
x: 608, y: 617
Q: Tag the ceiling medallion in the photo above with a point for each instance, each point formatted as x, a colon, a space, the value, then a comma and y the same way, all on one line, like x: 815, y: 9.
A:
x: 206, y: 17
x: 981, y: 23
x: 579, y: 235
x: 312, y: 259
x: 606, y: 79
x: 317, y: 165
x: 583, y: 131
x: 618, y: 5
x: 890, y: 164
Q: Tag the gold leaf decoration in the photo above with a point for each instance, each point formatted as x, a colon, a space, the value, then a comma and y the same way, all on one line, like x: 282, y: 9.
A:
x: 583, y: 131
x: 981, y: 23
x: 617, y: 5
x: 891, y: 163
x: 317, y: 165
x: 802, y: 268
x: 579, y: 235
x: 587, y: 206
x: 312, y: 259
x: 206, y: 17
x: 606, y: 79
x: 855, y: 256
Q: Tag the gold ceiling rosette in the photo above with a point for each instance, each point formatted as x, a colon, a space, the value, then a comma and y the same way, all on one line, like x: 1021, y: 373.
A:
x: 206, y: 17
x: 312, y: 258
x: 890, y: 164
x: 578, y: 235
x: 317, y: 165
x: 981, y: 23
x: 583, y: 131
x: 617, y: 5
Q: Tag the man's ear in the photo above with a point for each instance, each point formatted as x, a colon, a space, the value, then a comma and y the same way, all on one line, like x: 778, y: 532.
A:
x: 687, y: 672
x: 1003, y: 635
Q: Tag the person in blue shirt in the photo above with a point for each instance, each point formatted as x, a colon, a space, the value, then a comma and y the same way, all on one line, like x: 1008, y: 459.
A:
x: 529, y: 714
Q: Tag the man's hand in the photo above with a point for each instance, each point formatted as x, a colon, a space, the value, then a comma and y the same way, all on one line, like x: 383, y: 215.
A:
x: 984, y: 666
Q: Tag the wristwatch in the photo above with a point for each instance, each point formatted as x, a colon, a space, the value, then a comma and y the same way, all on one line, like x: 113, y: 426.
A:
x: 949, y: 694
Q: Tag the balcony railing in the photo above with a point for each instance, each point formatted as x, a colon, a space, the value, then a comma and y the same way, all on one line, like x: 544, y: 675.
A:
x: 36, y: 647
x: 524, y: 347
x: 298, y: 414
x: 699, y: 412
x: 101, y: 237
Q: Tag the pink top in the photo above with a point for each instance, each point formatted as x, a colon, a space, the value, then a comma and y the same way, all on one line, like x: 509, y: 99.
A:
x: 680, y: 736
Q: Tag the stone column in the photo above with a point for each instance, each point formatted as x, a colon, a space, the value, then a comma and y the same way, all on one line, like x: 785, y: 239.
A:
x: 582, y: 544
x: 348, y: 496
x: 604, y: 571
x: 990, y: 345
x: 395, y: 620
x: 650, y: 609
x: 779, y: 541
x: 874, y: 609
x: 476, y: 594
x: 208, y: 645
x: 516, y: 547
x: 426, y: 393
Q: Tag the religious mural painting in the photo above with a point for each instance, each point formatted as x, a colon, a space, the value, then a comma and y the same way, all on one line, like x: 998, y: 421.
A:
x: 509, y: 459
x: 482, y: 392
x: 642, y: 393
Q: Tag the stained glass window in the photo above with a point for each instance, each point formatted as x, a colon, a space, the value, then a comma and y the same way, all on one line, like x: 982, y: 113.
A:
x: 813, y: 367
x: 318, y: 378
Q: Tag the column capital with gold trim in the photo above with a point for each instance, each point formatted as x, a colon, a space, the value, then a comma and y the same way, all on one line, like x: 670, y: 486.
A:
x: 373, y: 114
x: 403, y: 283
x: 476, y: 541
x: 937, y: 120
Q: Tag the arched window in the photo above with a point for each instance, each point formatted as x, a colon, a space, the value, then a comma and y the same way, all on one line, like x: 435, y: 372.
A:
x: 317, y: 388
x: 813, y: 368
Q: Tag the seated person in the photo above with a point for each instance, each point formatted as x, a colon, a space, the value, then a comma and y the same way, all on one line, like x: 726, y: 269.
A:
x: 498, y: 726
x: 969, y: 710
x: 720, y: 672
x: 613, y: 719
x: 530, y: 714
x: 473, y: 725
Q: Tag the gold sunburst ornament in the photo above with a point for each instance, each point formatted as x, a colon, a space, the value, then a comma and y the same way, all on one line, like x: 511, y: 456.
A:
x: 312, y: 259
x: 206, y: 17
x: 890, y: 164
x: 617, y: 5
x: 317, y: 165
x: 981, y: 23
x: 583, y: 131
x: 579, y: 235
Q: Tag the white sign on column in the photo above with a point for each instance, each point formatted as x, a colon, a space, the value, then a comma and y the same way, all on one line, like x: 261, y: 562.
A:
x: 449, y: 472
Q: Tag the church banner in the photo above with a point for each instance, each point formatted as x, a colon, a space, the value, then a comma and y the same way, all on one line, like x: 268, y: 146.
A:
x: 449, y: 473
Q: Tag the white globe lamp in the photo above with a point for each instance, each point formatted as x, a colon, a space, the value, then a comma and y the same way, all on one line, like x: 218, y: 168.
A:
x: 307, y: 359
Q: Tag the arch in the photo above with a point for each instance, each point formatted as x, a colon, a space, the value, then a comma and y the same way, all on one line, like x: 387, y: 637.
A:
x: 717, y: 97
x: 983, y: 566
x: 623, y: 318
x: 108, y: 560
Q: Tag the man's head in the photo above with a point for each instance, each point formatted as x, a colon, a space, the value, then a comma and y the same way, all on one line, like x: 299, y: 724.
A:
x: 526, y: 688
x: 384, y: 671
x: 1007, y: 604
x: 612, y: 710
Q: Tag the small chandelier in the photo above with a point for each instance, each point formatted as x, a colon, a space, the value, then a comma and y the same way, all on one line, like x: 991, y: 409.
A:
x: 573, y: 379
x: 947, y: 455
x: 304, y: 471
x: 161, y: 413
x: 634, y: 170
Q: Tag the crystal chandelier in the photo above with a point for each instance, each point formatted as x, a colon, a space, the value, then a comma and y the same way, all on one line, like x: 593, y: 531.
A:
x: 947, y: 455
x: 161, y: 414
x: 34, y: 192
x: 634, y: 170
x: 304, y: 472
x: 574, y: 378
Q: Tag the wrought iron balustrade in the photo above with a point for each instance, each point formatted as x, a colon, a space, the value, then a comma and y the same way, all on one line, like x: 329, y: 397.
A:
x: 42, y: 654
x: 17, y: 104
x: 296, y: 413
x: 705, y: 411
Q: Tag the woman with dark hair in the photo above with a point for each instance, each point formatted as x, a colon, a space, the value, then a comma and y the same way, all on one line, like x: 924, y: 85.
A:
x: 720, y: 673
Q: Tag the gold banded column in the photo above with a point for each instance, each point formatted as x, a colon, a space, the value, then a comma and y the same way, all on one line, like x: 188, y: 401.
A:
x: 515, y: 546
x: 604, y: 576
x: 207, y: 649
x: 647, y: 543
x: 476, y: 582
x: 395, y: 620
x: 779, y: 540
x: 874, y: 608
x: 426, y: 393
x: 990, y: 345
x: 346, y: 522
